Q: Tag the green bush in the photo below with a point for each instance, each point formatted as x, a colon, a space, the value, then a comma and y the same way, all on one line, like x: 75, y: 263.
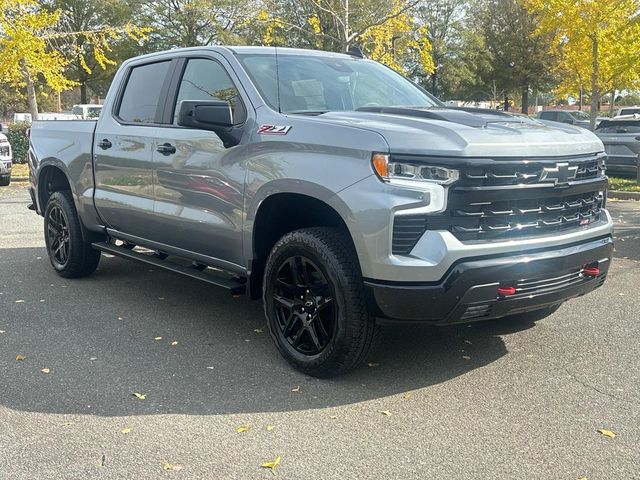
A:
x: 19, y: 141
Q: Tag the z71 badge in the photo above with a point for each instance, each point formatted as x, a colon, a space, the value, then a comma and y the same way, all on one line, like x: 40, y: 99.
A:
x: 274, y: 129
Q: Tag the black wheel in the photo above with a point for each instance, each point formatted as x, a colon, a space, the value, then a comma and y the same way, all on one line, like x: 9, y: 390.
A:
x: 315, y: 304
x: 69, y: 254
x: 5, y: 180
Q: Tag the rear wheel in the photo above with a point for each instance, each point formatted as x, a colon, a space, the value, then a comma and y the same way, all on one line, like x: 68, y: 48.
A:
x: 314, y: 302
x: 5, y: 180
x: 69, y: 254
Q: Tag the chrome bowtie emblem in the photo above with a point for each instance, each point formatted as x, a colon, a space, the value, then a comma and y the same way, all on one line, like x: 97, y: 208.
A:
x: 562, y: 173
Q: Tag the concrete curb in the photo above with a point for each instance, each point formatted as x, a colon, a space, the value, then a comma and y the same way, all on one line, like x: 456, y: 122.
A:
x: 623, y: 195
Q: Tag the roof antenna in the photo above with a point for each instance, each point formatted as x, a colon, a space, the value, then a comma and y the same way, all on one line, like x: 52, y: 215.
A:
x: 278, y: 80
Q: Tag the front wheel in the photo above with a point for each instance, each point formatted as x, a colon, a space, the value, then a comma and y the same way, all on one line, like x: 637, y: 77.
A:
x: 69, y: 254
x: 5, y: 180
x: 315, y: 303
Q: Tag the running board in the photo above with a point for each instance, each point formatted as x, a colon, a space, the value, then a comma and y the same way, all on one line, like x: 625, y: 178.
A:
x: 235, y: 287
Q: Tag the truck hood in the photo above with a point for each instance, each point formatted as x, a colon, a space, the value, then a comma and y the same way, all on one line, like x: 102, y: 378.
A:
x: 467, y: 132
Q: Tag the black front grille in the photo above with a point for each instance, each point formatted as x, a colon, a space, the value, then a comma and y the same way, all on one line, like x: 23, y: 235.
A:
x: 407, y: 230
x: 528, y: 172
x: 513, y: 199
x: 502, y: 218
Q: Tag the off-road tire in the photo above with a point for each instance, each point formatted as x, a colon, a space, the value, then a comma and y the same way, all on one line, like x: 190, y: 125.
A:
x: 355, y: 331
x: 82, y: 259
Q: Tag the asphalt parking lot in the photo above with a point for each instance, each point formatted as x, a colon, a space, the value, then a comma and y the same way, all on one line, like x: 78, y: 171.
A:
x: 495, y: 400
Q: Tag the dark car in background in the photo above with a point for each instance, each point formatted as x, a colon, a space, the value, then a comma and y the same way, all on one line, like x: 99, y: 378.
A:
x: 572, y: 117
x: 621, y: 138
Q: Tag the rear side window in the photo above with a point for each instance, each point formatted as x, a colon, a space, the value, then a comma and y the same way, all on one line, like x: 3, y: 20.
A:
x: 548, y: 115
x: 619, y: 127
x: 142, y: 93
x: 207, y: 80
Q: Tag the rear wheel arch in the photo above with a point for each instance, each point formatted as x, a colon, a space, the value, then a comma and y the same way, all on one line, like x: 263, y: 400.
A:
x: 51, y: 179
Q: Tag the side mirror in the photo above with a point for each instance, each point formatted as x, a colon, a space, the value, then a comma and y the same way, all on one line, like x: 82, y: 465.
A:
x: 214, y: 115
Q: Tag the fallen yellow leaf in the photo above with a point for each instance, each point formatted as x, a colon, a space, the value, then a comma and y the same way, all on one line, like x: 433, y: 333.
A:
x: 296, y: 389
x: 407, y: 395
x: 19, y: 301
x: 172, y: 466
x: 270, y: 427
x: 373, y: 364
x: 120, y: 318
x: 607, y: 433
x: 386, y: 413
x: 272, y: 464
x: 46, y: 370
x: 333, y: 417
x: 19, y: 358
x: 157, y: 338
x: 139, y: 396
x: 125, y: 430
x: 174, y: 343
x: 243, y: 428
x: 258, y: 330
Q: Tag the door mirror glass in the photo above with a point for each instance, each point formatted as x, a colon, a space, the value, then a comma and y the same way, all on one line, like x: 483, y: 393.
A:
x: 214, y: 115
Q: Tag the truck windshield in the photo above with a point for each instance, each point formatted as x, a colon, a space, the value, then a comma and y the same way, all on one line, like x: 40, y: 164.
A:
x: 317, y: 84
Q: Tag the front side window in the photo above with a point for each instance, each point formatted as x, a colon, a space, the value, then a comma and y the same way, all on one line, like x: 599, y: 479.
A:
x: 142, y: 93
x: 317, y: 84
x: 207, y: 80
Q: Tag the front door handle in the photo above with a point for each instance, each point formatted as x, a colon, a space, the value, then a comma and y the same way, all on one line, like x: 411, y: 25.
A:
x: 166, y: 149
x: 104, y: 144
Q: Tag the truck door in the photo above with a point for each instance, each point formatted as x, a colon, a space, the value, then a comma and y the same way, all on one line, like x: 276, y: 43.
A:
x: 199, y: 184
x: 123, y: 149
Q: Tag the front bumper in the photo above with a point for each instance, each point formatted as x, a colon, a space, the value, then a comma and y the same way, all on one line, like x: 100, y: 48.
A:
x: 5, y: 167
x: 468, y: 292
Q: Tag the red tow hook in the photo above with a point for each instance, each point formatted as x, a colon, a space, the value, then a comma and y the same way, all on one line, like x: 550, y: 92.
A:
x: 590, y: 271
x: 506, y: 291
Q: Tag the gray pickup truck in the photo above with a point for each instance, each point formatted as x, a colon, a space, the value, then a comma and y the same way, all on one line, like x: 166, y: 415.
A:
x: 330, y: 187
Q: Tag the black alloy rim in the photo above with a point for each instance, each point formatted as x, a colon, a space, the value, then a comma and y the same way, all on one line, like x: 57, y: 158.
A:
x: 304, y: 306
x: 58, y: 235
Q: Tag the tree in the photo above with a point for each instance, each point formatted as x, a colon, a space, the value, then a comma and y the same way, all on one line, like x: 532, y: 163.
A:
x: 332, y: 25
x: 33, y: 48
x: 444, y: 22
x: 520, y: 58
x: 385, y: 31
x: 598, y: 42
x: 94, y: 15
x: 191, y: 23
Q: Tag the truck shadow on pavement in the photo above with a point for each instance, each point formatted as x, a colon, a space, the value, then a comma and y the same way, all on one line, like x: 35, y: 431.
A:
x: 100, y: 338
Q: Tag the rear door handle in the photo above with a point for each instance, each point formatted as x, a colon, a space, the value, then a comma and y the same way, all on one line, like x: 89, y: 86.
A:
x: 166, y: 149
x: 104, y: 144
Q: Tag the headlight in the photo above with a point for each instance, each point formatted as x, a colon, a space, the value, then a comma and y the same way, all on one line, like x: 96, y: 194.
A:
x: 405, y: 172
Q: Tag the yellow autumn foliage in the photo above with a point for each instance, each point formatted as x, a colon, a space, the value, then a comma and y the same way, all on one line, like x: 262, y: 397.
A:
x: 597, y: 41
x: 32, y: 43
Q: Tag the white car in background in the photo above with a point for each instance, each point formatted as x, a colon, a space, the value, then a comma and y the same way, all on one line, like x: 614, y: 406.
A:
x: 624, y: 111
x: 6, y: 161
x: 87, y: 111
